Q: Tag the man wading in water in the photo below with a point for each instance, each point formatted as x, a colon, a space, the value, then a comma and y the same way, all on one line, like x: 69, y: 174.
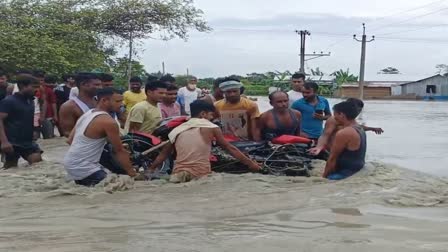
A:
x: 192, y: 160
x: 16, y: 124
x: 281, y: 120
x: 87, y: 140
x: 87, y: 83
x: 331, y: 128
x: 348, y: 151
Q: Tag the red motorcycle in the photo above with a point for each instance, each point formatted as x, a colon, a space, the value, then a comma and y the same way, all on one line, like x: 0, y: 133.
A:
x: 282, y: 156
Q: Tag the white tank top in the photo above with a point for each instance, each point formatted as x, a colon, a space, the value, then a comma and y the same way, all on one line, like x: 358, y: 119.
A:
x: 81, y: 104
x: 83, y: 156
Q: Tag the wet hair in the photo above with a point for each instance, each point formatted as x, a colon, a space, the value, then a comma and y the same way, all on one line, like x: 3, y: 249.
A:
x: 298, y: 76
x: 271, y: 96
x: 105, y: 77
x: 358, y: 103
x: 65, y: 77
x: 106, y: 92
x: 168, y: 78
x: 39, y: 74
x: 349, y: 109
x: 311, y: 85
x: 151, y: 78
x: 153, y: 85
x: 51, y: 79
x: 171, y: 87
x: 82, y: 78
x: 24, y: 80
x: 191, y: 77
x: 136, y: 79
x: 199, y: 106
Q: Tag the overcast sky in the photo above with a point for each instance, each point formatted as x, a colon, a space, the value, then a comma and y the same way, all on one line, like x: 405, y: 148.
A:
x: 258, y: 36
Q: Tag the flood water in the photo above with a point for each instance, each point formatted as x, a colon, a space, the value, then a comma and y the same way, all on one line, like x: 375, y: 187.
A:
x: 398, y: 203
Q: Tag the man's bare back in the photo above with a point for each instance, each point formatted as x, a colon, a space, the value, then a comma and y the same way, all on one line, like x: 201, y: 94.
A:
x: 69, y: 114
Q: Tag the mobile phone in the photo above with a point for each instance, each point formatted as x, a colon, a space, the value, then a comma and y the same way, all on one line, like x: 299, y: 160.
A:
x: 319, y: 111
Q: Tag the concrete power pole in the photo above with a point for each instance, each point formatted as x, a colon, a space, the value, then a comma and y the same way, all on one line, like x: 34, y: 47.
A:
x: 302, y: 55
x: 303, y: 35
x: 364, y: 42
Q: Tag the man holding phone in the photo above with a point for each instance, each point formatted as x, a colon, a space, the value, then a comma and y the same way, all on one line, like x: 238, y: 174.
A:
x: 315, y: 109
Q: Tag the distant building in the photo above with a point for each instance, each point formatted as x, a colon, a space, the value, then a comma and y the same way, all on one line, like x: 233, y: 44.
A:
x: 434, y: 87
x: 381, y: 86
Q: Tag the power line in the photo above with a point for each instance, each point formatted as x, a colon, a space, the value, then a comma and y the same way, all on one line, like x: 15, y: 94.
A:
x: 418, y: 29
x: 409, y: 10
x: 412, y: 18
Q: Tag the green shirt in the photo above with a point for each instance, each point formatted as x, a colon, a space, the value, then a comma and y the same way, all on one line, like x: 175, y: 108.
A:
x: 146, y: 114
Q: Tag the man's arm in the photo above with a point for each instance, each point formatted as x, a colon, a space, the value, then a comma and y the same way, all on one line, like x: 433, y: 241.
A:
x: 5, y: 145
x: 113, y: 135
x: 52, y: 99
x: 330, y: 128
x: 136, y: 118
x: 339, y: 144
x: 254, y: 118
x: 70, y: 138
x: 66, y: 119
x: 299, y: 118
x: 164, y: 154
x: 217, y: 133
x: 9, y: 90
x: 377, y: 131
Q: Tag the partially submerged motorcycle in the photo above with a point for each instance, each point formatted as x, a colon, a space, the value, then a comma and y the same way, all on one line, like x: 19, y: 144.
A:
x: 282, y: 156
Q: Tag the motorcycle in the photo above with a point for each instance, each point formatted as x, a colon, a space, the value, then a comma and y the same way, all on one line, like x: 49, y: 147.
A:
x: 282, y: 156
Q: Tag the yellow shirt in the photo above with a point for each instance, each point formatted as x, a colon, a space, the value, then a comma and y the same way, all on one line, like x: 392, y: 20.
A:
x: 236, y: 118
x: 146, y: 114
x: 130, y: 99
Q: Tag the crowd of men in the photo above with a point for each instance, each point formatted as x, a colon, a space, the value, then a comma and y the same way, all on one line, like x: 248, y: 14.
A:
x: 90, y: 113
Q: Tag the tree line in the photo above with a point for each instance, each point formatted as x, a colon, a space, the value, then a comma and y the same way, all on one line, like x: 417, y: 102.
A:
x: 68, y: 36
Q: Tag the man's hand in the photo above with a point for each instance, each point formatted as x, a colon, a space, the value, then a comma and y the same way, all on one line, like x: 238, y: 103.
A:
x: 255, y: 167
x: 7, y: 148
x: 377, y: 131
x: 140, y: 177
x: 315, y: 151
x: 319, y: 116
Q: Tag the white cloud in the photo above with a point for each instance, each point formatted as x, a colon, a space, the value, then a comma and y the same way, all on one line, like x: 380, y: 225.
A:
x: 258, y: 35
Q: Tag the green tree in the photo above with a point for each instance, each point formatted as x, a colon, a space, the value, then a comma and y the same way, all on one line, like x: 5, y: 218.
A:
x: 344, y: 77
x: 50, y: 35
x: 120, y: 71
x: 442, y: 69
x: 389, y: 70
x: 317, y: 72
x: 131, y: 20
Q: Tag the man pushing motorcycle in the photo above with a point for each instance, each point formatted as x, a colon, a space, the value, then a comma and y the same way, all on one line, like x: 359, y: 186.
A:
x: 192, y: 142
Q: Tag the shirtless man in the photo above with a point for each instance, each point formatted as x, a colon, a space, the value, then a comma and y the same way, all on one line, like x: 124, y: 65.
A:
x: 72, y: 110
x: 281, y: 120
x: 331, y: 128
x: 192, y: 160
x: 348, y: 150
x: 92, y: 131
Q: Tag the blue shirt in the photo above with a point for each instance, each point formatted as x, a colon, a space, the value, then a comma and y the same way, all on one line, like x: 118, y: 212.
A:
x: 311, y: 126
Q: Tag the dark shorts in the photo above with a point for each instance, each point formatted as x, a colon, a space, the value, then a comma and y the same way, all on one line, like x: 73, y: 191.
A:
x: 23, y: 151
x: 93, y: 179
x: 342, y: 174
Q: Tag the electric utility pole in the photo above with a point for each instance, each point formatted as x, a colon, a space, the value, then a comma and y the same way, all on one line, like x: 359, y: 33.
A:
x: 364, y: 42
x: 302, y: 55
